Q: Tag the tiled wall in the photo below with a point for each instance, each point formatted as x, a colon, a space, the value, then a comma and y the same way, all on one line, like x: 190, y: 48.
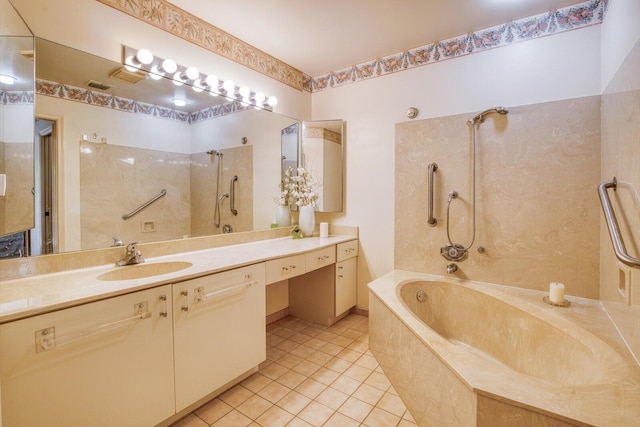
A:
x: 115, y: 180
x: 18, y: 201
x: 621, y: 158
x: 204, y: 177
x: 537, y: 207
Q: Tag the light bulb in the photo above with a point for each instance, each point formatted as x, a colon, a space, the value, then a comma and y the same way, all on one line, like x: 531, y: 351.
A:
x: 7, y: 79
x: 177, y: 79
x: 131, y: 65
x: 179, y: 102
x: 259, y: 97
x: 155, y: 73
x: 144, y: 56
x: 192, y: 73
x: 198, y: 86
x: 212, y: 81
x: 244, y: 92
x: 272, y: 101
x: 170, y: 66
x: 229, y: 87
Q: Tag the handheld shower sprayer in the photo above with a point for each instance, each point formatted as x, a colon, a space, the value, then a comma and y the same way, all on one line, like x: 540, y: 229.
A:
x: 481, y: 117
x: 216, y: 152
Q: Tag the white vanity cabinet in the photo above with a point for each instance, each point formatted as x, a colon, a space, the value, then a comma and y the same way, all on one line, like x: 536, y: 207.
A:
x: 106, y: 363
x: 346, y: 283
x: 219, y: 330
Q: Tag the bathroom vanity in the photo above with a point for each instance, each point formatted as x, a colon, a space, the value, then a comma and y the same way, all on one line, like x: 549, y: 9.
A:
x: 142, y: 345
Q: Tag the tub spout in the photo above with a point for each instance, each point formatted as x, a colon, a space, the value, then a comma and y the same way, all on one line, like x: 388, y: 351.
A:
x: 452, y: 268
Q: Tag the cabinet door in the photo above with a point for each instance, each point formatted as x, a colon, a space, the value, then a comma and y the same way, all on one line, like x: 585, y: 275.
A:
x: 345, y: 285
x: 107, y: 363
x: 219, y: 330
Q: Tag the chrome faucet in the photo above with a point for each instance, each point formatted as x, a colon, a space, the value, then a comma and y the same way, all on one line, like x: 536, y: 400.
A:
x: 117, y: 242
x: 452, y: 268
x: 133, y: 255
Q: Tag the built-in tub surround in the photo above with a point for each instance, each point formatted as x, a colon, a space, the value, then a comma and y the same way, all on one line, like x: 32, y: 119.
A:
x: 537, y: 206
x: 479, y: 354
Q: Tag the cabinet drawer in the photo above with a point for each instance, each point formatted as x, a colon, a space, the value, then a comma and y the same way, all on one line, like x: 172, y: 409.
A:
x: 347, y: 250
x: 320, y: 258
x: 285, y: 268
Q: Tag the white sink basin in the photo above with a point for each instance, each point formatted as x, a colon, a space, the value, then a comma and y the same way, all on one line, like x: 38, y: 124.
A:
x: 141, y: 271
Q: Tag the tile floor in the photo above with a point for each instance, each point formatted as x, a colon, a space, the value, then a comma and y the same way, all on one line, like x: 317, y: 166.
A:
x: 313, y: 376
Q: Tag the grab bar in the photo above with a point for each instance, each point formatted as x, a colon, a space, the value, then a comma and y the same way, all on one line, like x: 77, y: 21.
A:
x: 432, y: 221
x: 46, y: 338
x: 202, y: 297
x: 135, y: 211
x: 612, y: 223
x: 232, y: 191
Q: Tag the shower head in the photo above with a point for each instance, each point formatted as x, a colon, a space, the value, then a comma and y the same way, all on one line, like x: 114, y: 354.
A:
x: 480, y: 117
x: 216, y: 152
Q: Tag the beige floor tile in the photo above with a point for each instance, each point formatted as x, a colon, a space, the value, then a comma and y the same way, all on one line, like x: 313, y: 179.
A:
x: 346, y: 385
x: 358, y: 346
x: 303, y: 351
x: 332, y: 349
x: 378, y: 380
x: 256, y: 382
x: 338, y: 365
x: 274, y: 353
x: 264, y: 364
x: 254, y: 406
x: 190, y: 420
x: 300, y: 338
x: 274, y: 392
x: 379, y: 418
x: 332, y: 398
x: 315, y: 414
x: 342, y: 341
x: 291, y: 379
x: 356, y: 409
x: 350, y: 333
x: 232, y: 419
x: 320, y: 358
x: 289, y: 360
x: 339, y: 420
x: 287, y: 345
x: 325, y: 376
x: 368, y: 394
x: 284, y: 332
x: 407, y: 416
x: 393, y: 404
x: 406, y: 423
x: 236, y: 396
x: 274, y: 417
x: 327, y: 336
x: 358, y: 373
x: 367, y: 361
x: 293, y: 402
x: 213, y: 411
x: 310, y: 388
x: 297, y: 422
x: 306, y: 368
x: 311, y: 331
x: 349, y: 355
x: 316, y: 343
x: 273, y: 371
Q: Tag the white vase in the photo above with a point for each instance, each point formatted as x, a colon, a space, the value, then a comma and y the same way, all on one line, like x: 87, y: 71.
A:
x: 283, y: 215
x: 307, y: 220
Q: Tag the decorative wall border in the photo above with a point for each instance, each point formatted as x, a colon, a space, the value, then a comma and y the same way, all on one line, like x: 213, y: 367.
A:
x: 16, y: 97
x: 580, y: 15
x: 168, y: 17
x: 104, y: 100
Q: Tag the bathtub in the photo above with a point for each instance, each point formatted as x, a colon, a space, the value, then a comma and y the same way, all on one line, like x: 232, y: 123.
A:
x: 476, y: 354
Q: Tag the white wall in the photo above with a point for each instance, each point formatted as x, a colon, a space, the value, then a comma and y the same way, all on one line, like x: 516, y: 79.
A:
x: 620, y: 32
x: 562, y: 66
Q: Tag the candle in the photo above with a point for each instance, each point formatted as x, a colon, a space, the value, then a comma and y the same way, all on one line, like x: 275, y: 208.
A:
x: 324, y: 229
x: 556, y: 292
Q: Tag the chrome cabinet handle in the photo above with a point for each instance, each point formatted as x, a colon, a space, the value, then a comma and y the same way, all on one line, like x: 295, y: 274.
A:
x: 185, y: 301
x: 163, y: 310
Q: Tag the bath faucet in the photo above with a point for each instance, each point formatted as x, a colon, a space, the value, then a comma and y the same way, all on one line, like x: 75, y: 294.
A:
x: 117, y: 241
x: 133, y: 255
x: 452, y: 268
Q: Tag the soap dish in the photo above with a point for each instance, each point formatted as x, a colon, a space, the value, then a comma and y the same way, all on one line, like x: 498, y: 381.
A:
x: 564, y: 303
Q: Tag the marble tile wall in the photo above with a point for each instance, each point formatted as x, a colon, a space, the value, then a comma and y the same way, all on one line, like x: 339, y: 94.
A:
x: 236, y: 161
x: 621, y: 158
x: 115, y: 180
x: 18, y: 200
x: 2, y: 203
x: 537, y: 208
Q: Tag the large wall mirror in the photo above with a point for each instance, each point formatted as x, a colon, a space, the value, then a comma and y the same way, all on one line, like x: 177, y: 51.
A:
x: 16, y: 126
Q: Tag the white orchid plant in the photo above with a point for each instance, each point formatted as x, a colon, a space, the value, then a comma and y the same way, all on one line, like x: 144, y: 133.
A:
x: 299, y: 189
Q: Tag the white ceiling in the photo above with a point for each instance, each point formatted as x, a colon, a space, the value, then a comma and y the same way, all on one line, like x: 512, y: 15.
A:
x: 317, y: 37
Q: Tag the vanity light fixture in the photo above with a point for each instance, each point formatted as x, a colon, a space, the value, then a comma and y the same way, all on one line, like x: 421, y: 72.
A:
x: 7, y: 79
x: 157, y: 68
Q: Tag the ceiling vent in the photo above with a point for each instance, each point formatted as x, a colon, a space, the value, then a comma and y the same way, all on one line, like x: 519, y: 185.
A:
x: 124, y: 75
x: 98, y: 85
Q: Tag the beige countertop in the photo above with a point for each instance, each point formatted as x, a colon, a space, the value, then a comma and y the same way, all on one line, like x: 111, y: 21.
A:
x: 29, y: 296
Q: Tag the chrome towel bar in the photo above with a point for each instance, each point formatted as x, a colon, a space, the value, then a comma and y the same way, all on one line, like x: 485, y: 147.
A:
x: 135, y: 211
x: 612, y: 223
